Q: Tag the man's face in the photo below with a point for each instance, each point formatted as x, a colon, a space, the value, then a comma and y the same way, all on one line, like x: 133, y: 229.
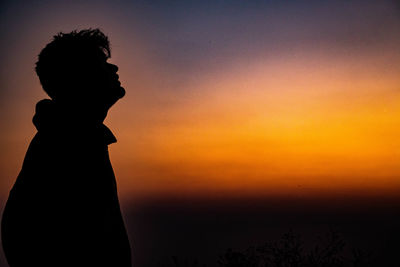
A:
x: 106, y: 87
x: 111, y: 89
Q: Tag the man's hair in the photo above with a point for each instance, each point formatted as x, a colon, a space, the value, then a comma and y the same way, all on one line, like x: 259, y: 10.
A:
x: 68, y: 54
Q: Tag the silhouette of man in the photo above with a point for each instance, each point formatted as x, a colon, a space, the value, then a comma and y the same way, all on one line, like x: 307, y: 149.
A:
x: 63, y: 209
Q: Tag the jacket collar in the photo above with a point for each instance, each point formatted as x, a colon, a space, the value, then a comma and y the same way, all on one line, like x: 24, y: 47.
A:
x: 49, y: 118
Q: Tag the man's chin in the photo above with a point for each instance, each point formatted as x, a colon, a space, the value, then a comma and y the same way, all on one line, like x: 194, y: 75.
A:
x: 121, y: 92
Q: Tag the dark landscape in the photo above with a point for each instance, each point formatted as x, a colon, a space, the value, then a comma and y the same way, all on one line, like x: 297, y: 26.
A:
x: 186, y: 232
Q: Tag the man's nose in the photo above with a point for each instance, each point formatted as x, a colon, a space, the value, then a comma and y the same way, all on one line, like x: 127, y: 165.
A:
x: 113, y: 67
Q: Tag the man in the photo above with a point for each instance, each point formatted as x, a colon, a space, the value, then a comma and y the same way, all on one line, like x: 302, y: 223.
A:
x: 63, y: 209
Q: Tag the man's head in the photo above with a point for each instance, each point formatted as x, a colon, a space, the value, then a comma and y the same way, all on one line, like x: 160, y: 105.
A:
x: 73, y: 70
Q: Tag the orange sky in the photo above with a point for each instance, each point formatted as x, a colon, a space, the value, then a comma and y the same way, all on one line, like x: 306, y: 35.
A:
x: 309, y: 125
x: 303, y: 121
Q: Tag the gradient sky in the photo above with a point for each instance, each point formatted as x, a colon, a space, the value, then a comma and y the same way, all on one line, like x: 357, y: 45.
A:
x: 227, y: 98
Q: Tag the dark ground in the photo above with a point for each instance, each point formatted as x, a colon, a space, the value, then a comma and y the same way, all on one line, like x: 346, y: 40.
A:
x: 204, y: 229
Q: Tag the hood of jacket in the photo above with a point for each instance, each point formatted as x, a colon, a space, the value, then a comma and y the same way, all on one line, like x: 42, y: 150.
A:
x: 50, y: 119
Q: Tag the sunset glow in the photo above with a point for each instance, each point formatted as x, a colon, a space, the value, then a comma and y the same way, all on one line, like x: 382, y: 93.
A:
x: 280, y: 128
x: 284, y: 114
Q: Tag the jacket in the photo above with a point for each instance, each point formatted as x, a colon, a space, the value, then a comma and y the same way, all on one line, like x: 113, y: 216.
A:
x: 63, y: 209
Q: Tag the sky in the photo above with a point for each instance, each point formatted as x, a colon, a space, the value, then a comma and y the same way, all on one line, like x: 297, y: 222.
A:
x: 227, y: 99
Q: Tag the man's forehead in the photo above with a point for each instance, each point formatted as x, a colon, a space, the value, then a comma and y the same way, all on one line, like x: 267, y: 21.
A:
x: 98, y: 56
x: 101, y: 54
